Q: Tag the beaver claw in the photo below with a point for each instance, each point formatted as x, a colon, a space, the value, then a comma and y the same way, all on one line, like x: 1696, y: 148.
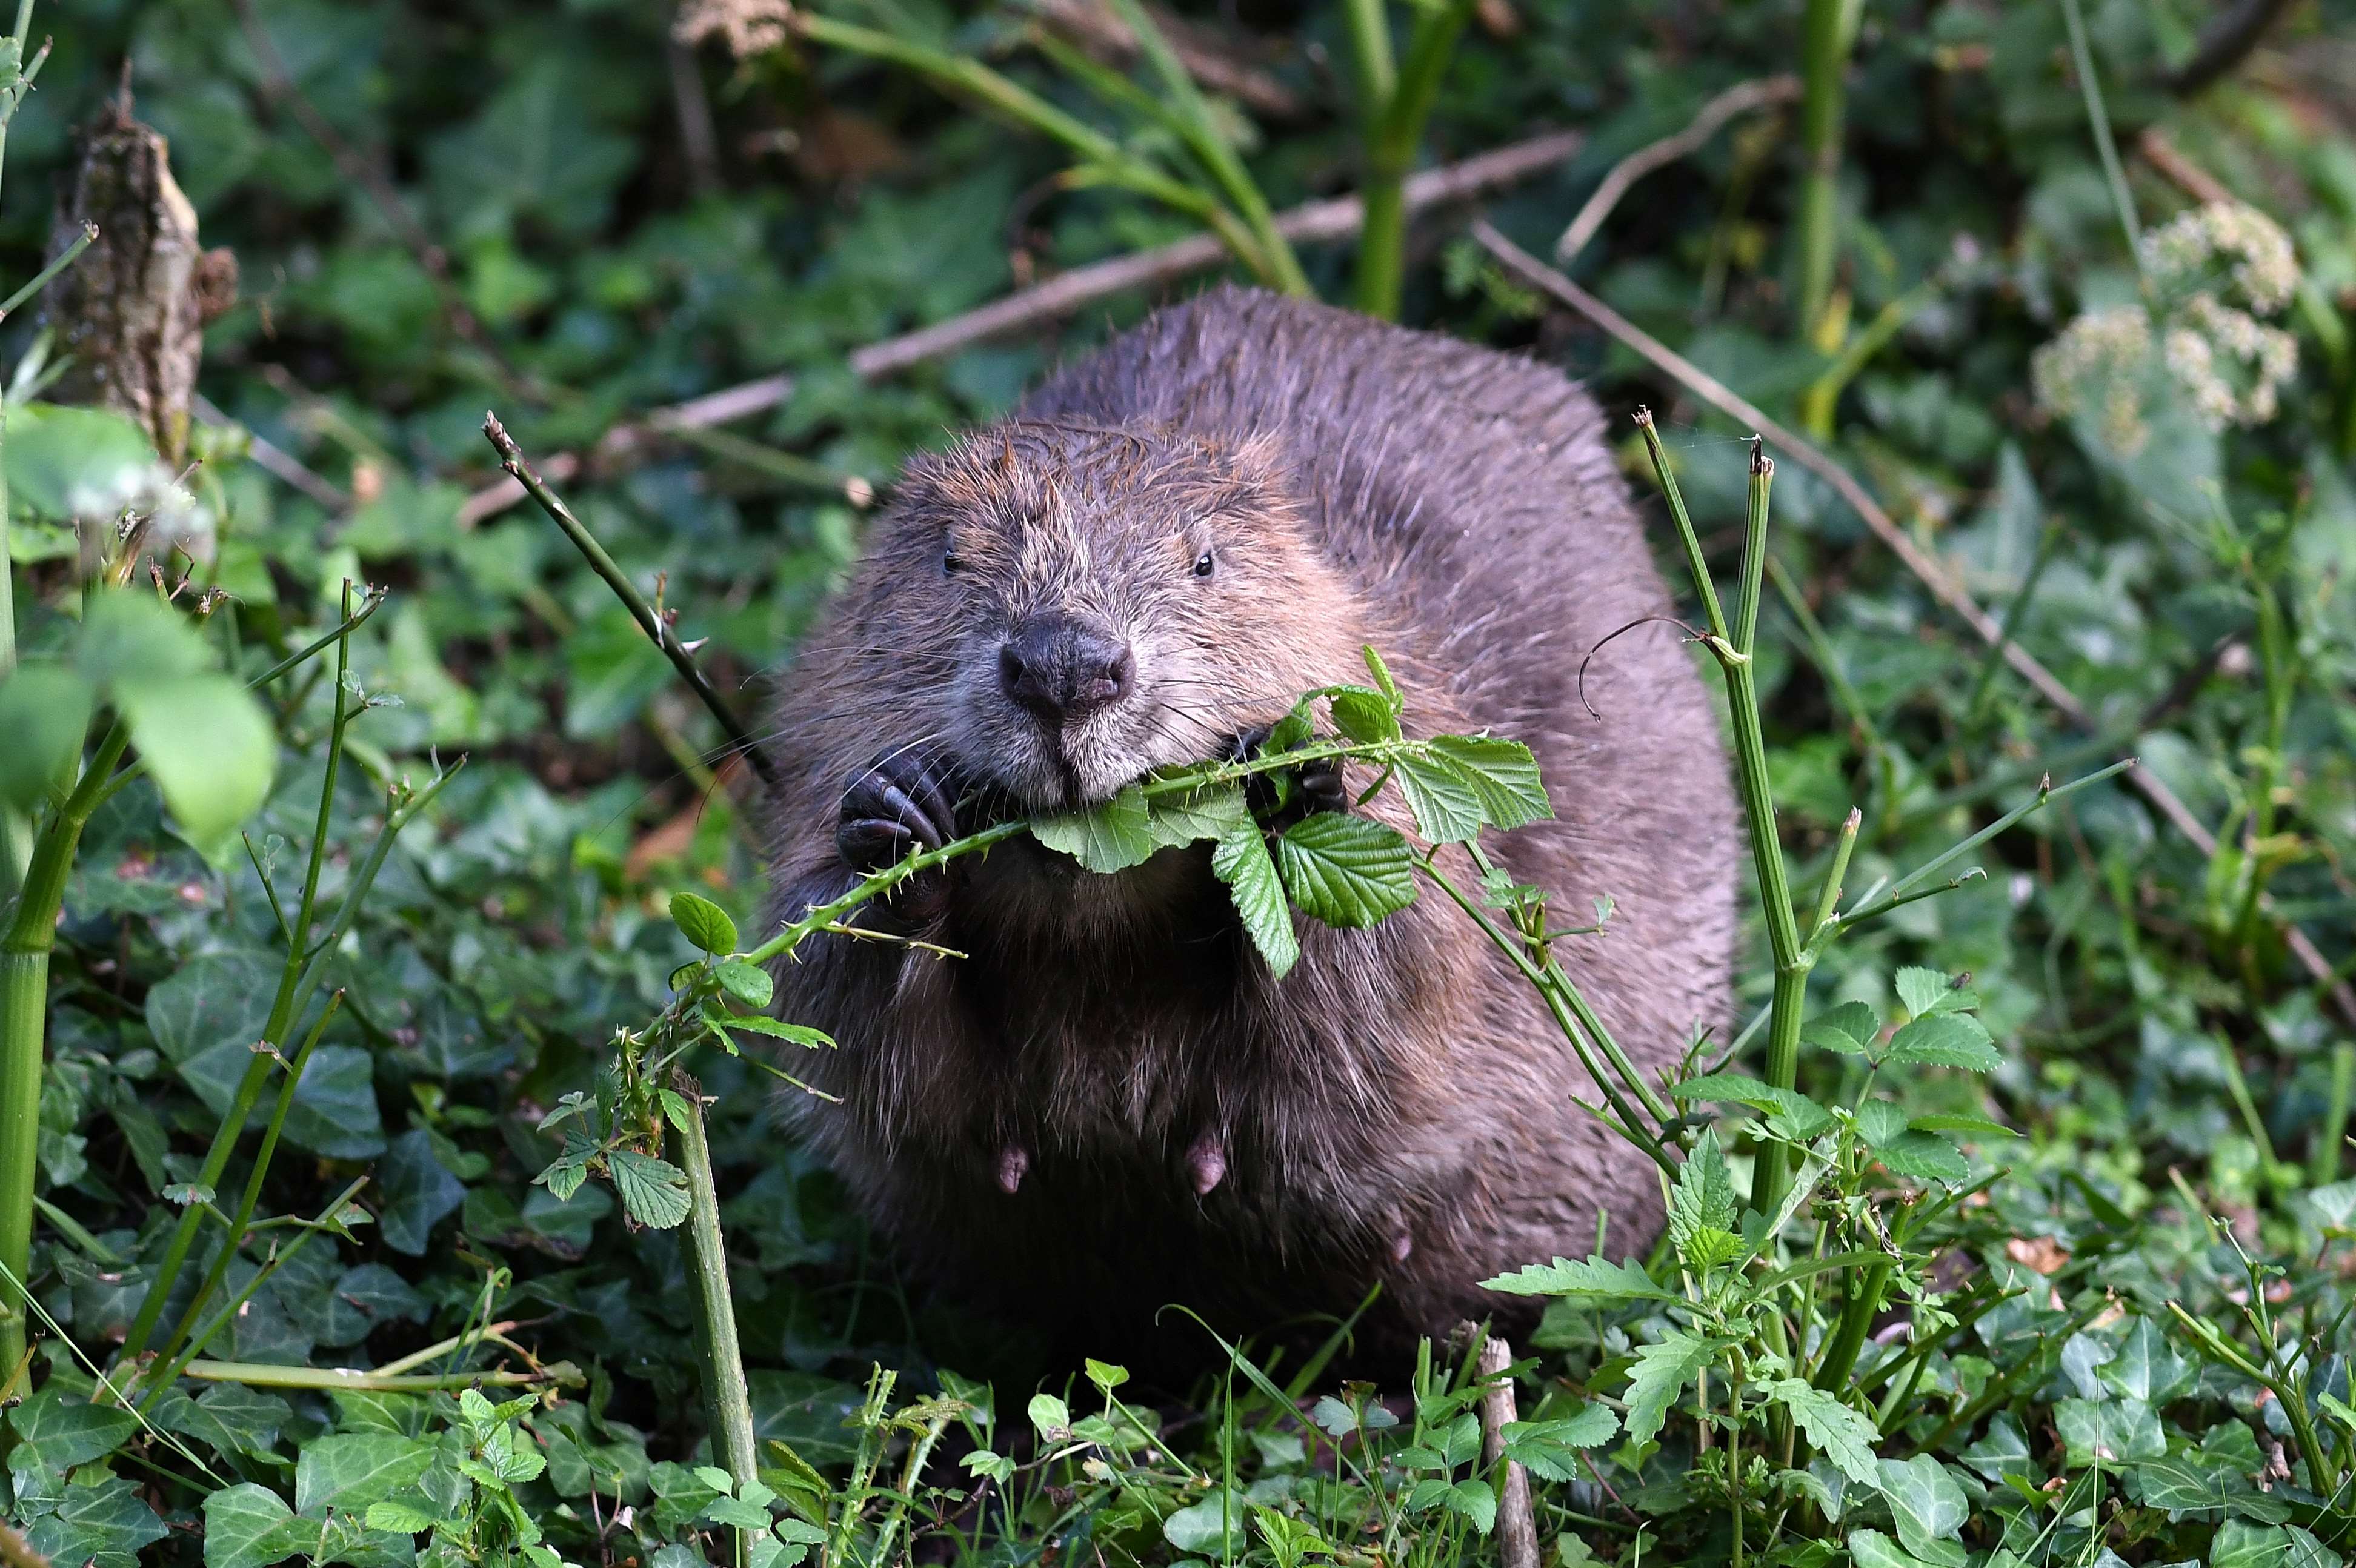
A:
x: 1314, y: 785
x: 902, y: 803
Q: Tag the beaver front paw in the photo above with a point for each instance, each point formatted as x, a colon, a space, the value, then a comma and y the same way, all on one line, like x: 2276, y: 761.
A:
x: 903, y: 803
x: 1284, y: 798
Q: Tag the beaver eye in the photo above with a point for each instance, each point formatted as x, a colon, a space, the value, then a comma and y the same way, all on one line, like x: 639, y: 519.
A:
x: 951, y: 562
x: 1203, y: 564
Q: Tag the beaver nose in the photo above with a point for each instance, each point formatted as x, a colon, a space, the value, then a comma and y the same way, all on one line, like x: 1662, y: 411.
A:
x: 1062, y: 668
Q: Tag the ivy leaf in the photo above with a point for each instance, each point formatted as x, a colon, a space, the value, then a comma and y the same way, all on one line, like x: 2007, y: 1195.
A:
x: 1502, y: 775
x: 1662, y: 1370
x: 58, y: 1431
x: 2109, y: 1432
x: 350, y: 1471
x: 99, y: 1526
x: 1108, y: 837
x: 1842, y: 1434
x: 1594, y: 1279
x: 1945, y: 1039
x: 1241, y: 860
x: 1927, y: 1505
x: 653, y: 1191
x: 2148, y: 1367
x: 246, y: 1527
x: 704, y: 922
x: 1347, y: 871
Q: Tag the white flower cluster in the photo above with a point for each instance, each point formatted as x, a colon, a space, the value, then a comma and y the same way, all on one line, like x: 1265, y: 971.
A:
x: 144, y: 499
x: 2225, y: 363
x: 749, y: 26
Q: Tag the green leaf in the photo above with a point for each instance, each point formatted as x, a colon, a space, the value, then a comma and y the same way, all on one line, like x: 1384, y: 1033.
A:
x: 748, y: 983
x: 1850, y: 1029
x: 704, y: 922
x: 58, y: 1430
x: 1447, y: 809
x: 1049, y: 1415
x: 1927, y: 1505
x: 2243, y: 1545
x: 1662, y: 1370
x: 1474, y: 1501
x: 653, y: 1191
x: 1104, y: 1374
x: 1241, y: 860
x: 778, y: 1028
x: 1806, y: 1117
x: 1962, y: 1124
x: 209, y: 748
x: 2109, y: 1432
x: 1926, y: 992
x: 1345, y: 870
x: 1926, y: 1156
x: 45, y: 713
x: 399, y: 1517
x: 1842, y: 1434
x: 1945, y: 1039
x: 1109, y: 838
x: 247, y: 1526
x: 1594, y: 1279
x: 1701, y: 1206
x: 1549, y: 1449
x: 1871, y: 1549
x: 1210, y: 813
x: 1366, y: 717
x: 2147, y: 1366
x: 348, y: 1472
x: 1333, y: 1417
x: 101, y: 1525
x: 229, y: 1417
x: 1879, y: 1121
x: 1213, y: 1527
x: 1502, y: 775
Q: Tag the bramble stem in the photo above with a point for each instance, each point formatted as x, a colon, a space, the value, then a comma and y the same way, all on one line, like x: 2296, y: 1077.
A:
x: 727, y: 1403
x: 657, y: 628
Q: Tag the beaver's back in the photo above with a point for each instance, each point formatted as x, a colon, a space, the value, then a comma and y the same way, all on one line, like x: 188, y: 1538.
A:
x: 1472, y: 495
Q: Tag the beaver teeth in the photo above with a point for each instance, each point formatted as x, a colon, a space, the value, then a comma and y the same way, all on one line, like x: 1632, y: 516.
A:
x: 1012, y: 1161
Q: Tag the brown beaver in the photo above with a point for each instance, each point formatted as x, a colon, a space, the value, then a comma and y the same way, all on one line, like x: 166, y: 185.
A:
x: 1107, y: 1103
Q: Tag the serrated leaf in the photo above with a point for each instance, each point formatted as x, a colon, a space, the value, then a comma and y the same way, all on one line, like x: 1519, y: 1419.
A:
x: 1947, y: 1122
x: 1924, y: 1156
x: 1381, y: 673
x: 653, y: 1191
x: 1210, y: 813
x: 1923, y: 992
x: 1592, y: 1278
x: 1475, y: 1503
x: 704, y: 922
x: 1107, y: 838
x: 778, y: 1028
x: 1365, y: 716
x: 1945, y: 1039
x: 1447, y: 810
x: 1549, y: 1449
x: 400, y: 1517
x: 1879, y: 1121
x: 1348, y: 871
x: 1242, y: 861
x: 1701, y: 1204
x: 1806, y: 1117
x: 1842, y: 1434
x: 1850, y: 1029
x: 748, y: 983
x: 1661, y: 1372
x: 1502, y: 775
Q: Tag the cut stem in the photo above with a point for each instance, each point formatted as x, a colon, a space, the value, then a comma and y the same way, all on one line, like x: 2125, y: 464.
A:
x: 727, y: 1403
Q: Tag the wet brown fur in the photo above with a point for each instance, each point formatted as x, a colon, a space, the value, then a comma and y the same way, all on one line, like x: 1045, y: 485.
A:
x: 1116, y: 1037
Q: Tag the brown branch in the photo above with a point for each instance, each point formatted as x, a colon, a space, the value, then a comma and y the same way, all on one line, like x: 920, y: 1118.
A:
x: 1734, y: 101
x: 1335, y: 219
x: 1916, y: 559
x: 1518, y: 1533
x: 2181, y: 172
x: 277, y: 461
x: 2224, y: 44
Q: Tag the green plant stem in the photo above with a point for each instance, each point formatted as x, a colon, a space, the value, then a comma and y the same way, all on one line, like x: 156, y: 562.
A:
x: 727, y: 1403
x: 25, y: 950
x: 1392, y: 135
x: 1823, y: 61
x: 2098, y: 120
x: 1823, y: 397
x: 42, y: 279
x: 2292, y: 1397
x: 175, y: 1360
x: 2323, y: 1160
x: 657, y: 627
x: 260, y: 1375
x: 1857, y: 1308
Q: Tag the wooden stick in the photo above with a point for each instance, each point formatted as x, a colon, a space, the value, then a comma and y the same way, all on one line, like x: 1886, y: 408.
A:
x: 1517, y: 1530
x: 1916, y: 559
x: 1738, y: 100
x: 1335, y: 219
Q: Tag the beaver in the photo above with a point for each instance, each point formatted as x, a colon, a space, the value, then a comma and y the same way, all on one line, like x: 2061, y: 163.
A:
x: 1106, y: 1102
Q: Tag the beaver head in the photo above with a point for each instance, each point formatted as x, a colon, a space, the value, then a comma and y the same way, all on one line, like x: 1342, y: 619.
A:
x: 1064, y: 608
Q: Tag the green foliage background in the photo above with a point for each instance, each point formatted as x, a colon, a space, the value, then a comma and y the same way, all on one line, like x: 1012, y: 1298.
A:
x: 2161, y: 1054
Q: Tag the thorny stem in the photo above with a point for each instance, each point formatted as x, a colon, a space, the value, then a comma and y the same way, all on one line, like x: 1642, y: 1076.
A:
x: 656, y: 627
x: 729, y: 1405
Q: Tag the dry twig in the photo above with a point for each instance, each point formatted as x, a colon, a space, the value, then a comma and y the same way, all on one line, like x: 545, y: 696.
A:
x: 1738, y: 100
